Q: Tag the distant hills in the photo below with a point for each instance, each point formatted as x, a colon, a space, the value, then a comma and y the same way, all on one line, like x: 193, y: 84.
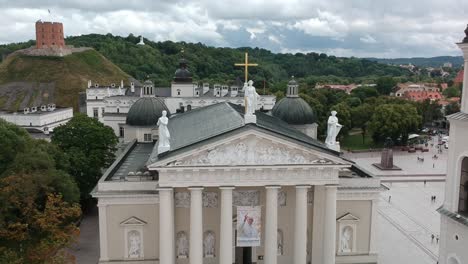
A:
x: 457, y: 61
x: 33, y: 80
x: 159, y: 60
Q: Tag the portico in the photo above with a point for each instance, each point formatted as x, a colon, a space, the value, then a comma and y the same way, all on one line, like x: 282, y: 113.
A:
x: 259, y: 185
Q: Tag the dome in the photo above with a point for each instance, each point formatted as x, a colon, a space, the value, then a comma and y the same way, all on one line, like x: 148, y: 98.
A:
x: 183, y: 74
x: 146, y: 111
x: 294, y: 111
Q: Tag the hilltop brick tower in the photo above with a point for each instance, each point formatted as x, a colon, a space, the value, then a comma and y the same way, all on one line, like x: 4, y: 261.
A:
x: 49, y: 34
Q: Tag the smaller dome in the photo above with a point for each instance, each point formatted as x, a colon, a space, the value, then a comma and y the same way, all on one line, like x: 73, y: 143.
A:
x: 292, y: 81
x: 146, y: 111
x: 182, y: 74
x: 294, y: 111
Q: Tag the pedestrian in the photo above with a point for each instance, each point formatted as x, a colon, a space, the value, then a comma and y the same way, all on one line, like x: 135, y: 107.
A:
x: 437, y: 239
x: 432, y: 238
x: 389, y: 198
x: 433, y: 165
x: 424, y: 183
x: 435, y: 198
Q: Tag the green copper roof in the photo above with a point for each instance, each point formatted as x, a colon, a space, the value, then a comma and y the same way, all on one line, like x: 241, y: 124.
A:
x: 146, y: 111
x: 294, y: 111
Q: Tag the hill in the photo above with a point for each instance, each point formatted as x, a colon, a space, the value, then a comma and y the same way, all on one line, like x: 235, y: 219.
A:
x: 457, y: 61
x: 158, y: 60
x: 27, y: 80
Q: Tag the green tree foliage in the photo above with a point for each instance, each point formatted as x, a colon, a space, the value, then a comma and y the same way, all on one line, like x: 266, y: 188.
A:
x: 452, y: 92
x: 385, y: 85
x: 159, y: 60
x: 429, y: 111
x: 365, y: 92
x: 395, y: 121
x: 360, y: 117
x: 90, y: 146
x: 38, y: 198
x: 452, y: 108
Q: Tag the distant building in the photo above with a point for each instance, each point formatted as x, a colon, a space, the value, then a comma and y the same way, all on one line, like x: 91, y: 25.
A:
x: 41, y: 119
x: 49, y: 35
x: 447, y: 65
x: 418, y: 91
x: 111, y: 104
x: 346, y: 88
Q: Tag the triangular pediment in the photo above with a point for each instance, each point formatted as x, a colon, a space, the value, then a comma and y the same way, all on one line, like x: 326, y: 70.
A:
x: 133, y: 221
x: 252, y: 148
x: 348, y: 218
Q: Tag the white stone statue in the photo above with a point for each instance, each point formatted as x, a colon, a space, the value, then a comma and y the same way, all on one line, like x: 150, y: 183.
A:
x: 209, y: 244
x: 346, y: 240
x: 333, y: 129
x: 134, y: 242
x: 182, y: 245
x: 164, y: 136
x: 250, y: 96
x: 279, y: 243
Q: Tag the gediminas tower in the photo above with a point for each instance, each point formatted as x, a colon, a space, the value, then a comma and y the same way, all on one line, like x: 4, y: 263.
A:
x: 49, y: 34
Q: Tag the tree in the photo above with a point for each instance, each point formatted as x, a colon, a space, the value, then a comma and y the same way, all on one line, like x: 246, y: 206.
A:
x: 90, y: 146
x: 364, y: 92
x: 38, y: 208
x: 360, y: 117
x: 452, y: 108
x: 452, y: 92
x: 394, y: 121
x: 385, y: 85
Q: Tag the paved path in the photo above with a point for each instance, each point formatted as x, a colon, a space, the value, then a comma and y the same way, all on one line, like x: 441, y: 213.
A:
x: 86, y: 250
x: 411, y: 212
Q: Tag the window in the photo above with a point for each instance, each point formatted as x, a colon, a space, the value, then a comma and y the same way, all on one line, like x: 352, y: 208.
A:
x: 147, y: 137
x: 118, y: 110
x: 178, y: 91
x: 189, y: 107
x: 96, y: 112
x: 103, y: 110
x: 121, y: 131
x: 463, y: 196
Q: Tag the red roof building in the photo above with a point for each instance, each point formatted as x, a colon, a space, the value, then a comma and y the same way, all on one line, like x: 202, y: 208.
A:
x: 459, y: 78
x: 422, y: 95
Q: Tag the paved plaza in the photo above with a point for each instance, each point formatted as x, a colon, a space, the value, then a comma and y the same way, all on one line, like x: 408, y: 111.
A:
x: 408, y: 221
x: 414, y: 166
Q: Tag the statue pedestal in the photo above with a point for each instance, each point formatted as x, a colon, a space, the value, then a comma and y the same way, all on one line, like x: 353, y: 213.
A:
x: 335, y: 147
x: 250, y: 119
x: 386, y: 161
x: 162, y: 149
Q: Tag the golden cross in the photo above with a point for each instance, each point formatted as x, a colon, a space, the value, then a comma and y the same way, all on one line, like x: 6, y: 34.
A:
x: 246, y: 65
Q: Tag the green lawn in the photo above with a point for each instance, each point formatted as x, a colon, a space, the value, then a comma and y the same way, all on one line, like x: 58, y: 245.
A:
x: 354, y: 142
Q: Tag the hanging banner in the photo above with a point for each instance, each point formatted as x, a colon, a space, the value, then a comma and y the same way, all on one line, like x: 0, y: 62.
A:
x: 249, y: 225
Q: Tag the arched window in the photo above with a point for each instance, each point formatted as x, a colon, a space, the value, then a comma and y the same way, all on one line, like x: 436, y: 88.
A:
x: 463, y: 196
x: 189, y: 107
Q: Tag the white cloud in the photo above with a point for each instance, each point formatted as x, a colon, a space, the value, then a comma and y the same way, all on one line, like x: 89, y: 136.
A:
x: 368, y: 39
x: 394, y: 28
x: 274, y: 39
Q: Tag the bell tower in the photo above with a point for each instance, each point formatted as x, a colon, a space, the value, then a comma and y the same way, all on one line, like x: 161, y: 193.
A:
x: 454, y: 211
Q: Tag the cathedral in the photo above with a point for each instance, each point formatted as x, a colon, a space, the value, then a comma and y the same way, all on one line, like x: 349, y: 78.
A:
x: 227, y: 183
x: 454, y: 211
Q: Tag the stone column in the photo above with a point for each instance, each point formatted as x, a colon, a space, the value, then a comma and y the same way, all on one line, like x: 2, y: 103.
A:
x: 373, y: 248
x: 103, y: 232
x: 166, y: 226
x: 300, y: 226
x: 329, y: 239
x: 196, y: 226
x: 271, y: 224
x: 225, y: 244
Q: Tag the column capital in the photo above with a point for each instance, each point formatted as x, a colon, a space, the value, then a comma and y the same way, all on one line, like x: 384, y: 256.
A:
x: 331, y: 186
x: 162, y: 189
x: 195, y: 188
x: 303, y: 186
x: 227, y: 187
x: 272, y: 187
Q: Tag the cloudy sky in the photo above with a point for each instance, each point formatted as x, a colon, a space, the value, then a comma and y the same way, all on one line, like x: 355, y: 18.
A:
x: 360, y: 28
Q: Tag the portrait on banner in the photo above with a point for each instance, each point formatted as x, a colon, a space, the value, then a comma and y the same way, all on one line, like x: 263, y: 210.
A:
x: 249, y: 226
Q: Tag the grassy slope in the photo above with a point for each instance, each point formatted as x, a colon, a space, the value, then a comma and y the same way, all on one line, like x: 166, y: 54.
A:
x: 70, y: 73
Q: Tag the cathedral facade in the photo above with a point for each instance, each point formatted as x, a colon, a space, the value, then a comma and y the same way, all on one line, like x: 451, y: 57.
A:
x: 231, y: 187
